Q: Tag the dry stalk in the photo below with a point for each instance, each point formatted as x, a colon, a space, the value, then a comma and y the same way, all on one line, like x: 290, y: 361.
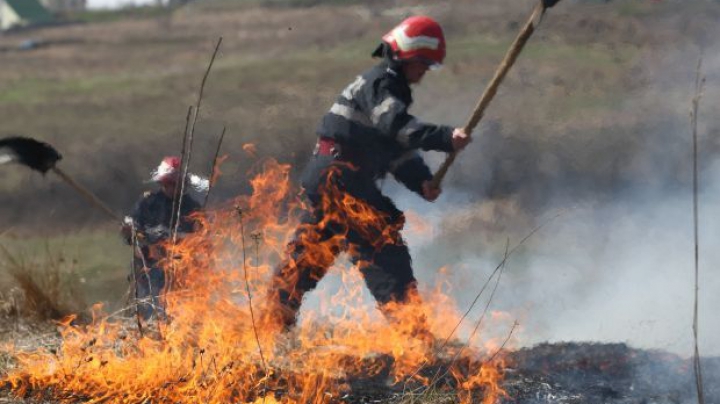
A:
x: 498, y: 268
x: 183, y: 151
x: 699, y: 87
x: 507, y: 339
x: 175, y: 213
x: 190, y: 136
x: 185, y: 164
x: 249, y: 292
x: 459, y: 352
x: 136, y: 249
x: 213, y: 169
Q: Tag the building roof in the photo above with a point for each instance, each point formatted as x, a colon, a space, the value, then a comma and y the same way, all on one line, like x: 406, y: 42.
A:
x: 30, y: 10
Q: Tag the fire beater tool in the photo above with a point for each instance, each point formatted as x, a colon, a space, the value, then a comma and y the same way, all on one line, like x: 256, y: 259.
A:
x: 42, y: 157
x: 500, y: 72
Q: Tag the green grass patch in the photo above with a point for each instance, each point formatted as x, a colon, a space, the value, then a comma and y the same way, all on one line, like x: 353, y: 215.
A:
x: 31, y: 91
x: 38, y: 90
x: 96, y: 16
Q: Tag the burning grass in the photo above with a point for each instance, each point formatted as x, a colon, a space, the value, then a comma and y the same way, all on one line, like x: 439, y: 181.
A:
x: 220, y: 344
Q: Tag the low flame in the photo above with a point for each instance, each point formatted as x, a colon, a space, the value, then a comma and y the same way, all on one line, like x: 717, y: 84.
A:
x: 219, y: 344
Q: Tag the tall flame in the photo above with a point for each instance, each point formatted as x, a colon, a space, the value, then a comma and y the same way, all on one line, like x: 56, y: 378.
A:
x: 219, y: 345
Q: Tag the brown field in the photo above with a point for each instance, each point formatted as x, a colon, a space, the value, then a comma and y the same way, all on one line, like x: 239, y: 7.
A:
x: 594, y: 87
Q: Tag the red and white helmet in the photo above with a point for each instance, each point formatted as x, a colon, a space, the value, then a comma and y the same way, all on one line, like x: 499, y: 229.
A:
x: 168, y: 170
x: 417, y: 38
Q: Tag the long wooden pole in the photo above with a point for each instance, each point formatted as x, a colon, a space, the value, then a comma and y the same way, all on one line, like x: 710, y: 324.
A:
x: 89, y: 196
x: 491, y: 90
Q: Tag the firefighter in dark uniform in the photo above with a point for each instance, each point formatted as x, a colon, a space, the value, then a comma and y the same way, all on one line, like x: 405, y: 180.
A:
x: 367, y: 134
x: 148, y: 228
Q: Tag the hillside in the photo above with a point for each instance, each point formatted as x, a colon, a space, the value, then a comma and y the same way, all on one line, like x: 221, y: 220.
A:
x: 603, y: 90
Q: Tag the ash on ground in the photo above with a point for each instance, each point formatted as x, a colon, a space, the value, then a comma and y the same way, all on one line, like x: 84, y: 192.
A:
x: 575, y: 373
x: 606, y: 373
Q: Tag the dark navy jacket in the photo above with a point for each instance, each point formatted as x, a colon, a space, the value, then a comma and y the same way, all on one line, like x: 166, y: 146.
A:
x: 375, y: 132
x: 152, y: 215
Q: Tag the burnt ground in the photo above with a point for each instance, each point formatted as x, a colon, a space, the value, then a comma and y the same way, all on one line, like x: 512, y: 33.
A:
x: 606, y: 373
x: 587, y: 373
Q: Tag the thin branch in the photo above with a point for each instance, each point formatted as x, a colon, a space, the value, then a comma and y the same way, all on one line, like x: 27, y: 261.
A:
x: 186, y: 159
x: 498, y: 268
x: 176, y: 197
x: 455, y: 357
x: 502, y: 347
x: 136, y: 249
x: 247, y: 289
x: 185, y: 164
x: 482, y: 290
x: 699, y: 86
x: 213, y: 169
x: 257, y: 238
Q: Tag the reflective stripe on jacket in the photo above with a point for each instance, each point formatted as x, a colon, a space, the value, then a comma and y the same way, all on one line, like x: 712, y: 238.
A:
x: 371, y: 123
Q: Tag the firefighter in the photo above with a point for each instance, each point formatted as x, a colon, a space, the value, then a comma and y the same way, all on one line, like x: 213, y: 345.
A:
x: 367, y: 134
x: 151, y: 221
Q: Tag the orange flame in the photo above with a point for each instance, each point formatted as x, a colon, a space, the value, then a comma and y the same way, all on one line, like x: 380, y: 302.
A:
x: 219, y: 347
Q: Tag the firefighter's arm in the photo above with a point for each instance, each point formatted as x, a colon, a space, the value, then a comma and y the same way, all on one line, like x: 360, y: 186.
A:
x: 410, y: 170
x: 391, y: 117
x: 126, y: 229
x: 134, y: 221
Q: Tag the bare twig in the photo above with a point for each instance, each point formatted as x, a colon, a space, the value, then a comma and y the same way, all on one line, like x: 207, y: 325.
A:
x: 455, y: 357
x: 213, y: 169
x: 175, y: 213
x: 507, y: 339
x: 247, y: 289
x: 699, y: 87
x: 186, y: 158
x: 257, y: 238
x: 136, y: 250
x: 498, y: 268
x: 508, y: 254
x: 185, y: 163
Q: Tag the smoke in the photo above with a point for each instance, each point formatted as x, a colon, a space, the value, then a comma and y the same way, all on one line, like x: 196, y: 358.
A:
x: 617, y: 264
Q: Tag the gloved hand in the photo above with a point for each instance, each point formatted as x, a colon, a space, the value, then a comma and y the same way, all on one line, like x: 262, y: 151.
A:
x: 460, y: 139
x: 430, y: 193
x: 126, y: 228
x: 157, y: 233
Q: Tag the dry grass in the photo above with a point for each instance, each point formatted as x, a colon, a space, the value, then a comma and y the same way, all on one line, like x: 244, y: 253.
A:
x: 45, y: 290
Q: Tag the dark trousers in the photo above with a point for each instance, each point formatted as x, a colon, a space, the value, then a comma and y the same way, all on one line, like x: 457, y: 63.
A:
x: 349, y: 214
x: 148, y: 286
